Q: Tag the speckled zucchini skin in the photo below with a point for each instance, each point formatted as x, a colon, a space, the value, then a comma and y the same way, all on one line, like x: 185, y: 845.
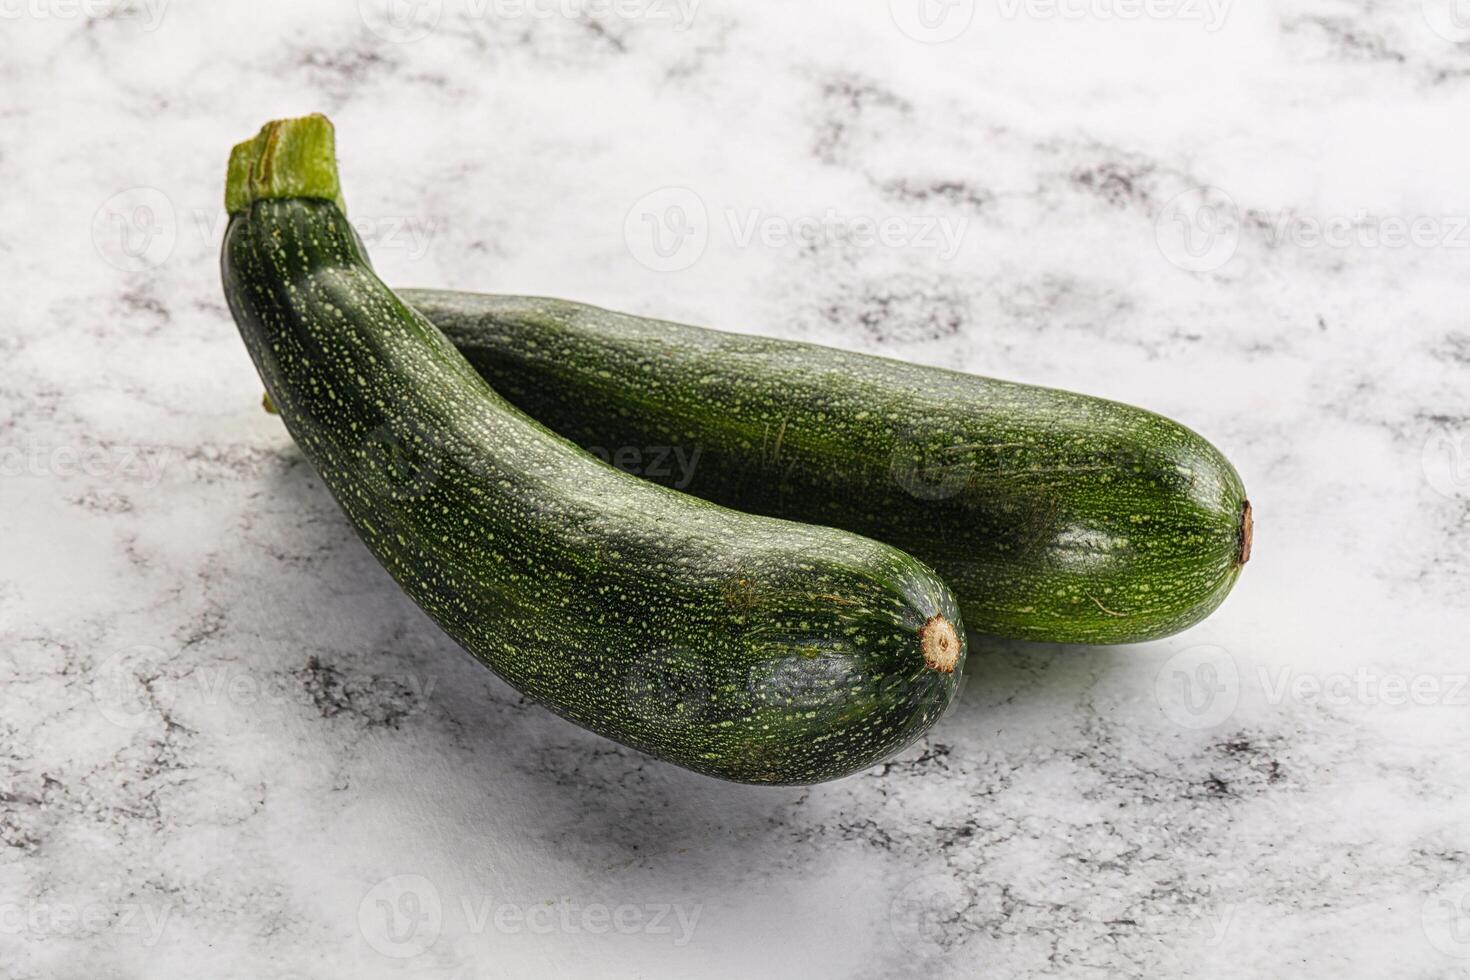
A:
x: 1053, y: 516
x: 739, y: 646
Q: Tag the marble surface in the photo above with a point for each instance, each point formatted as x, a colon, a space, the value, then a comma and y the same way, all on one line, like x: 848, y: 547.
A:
x: 230, y: 747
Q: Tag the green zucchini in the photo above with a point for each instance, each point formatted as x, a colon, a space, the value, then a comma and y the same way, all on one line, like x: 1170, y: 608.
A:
x: 1053, y: 516
x: 740, y: 646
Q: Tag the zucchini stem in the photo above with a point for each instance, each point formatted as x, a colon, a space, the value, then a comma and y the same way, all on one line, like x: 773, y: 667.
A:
x: 287, y: 158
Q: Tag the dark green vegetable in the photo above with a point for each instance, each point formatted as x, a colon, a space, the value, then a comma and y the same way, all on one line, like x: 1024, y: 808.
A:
x: 743, y: 647
x: 1052, y: 515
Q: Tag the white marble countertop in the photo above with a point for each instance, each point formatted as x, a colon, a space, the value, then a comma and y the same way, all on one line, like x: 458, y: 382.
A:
x: 230, y: 747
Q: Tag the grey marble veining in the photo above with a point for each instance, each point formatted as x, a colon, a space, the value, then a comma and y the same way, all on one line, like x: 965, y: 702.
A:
x: 229, y: 746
